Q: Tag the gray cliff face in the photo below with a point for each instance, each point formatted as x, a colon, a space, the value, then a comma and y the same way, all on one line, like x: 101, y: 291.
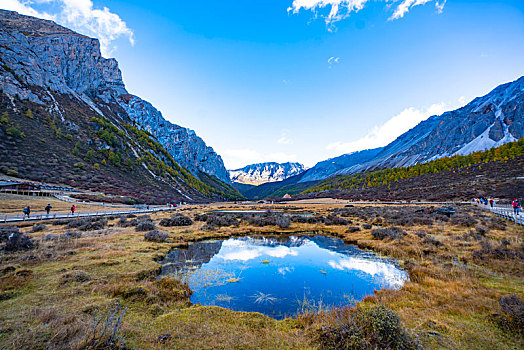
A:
x: 186, y: 147
x: 38, y: 57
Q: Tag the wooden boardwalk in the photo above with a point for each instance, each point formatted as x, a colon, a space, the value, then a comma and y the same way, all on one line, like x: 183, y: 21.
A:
x: 79, y: 214
x: 504, y: 212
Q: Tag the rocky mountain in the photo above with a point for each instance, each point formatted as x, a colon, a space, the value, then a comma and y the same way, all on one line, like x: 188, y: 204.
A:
x: 329, y: 167
x: 183, y: 144
x: 257, y: 174
x: 47, y: 55
x: 486, y: 122
x: 62, y: 100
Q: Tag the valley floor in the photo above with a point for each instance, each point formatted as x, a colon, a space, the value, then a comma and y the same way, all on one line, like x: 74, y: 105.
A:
x: 459, y: 269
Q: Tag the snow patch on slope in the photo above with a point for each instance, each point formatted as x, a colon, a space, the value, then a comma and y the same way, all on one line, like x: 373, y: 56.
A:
x: 484, y: 142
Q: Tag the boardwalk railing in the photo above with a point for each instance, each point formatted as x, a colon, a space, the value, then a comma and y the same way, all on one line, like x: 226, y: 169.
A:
x: 66, y: 215
x: 504, y: 212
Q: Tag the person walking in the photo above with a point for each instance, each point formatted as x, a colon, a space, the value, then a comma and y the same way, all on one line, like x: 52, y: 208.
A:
x: 48, y: 208
x: 491, y: 202
x: 27, y: 211
x: 73, y: 208
x: 516, y: 206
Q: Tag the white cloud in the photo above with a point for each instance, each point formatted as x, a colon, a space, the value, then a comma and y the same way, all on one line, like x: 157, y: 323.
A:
x: 238, y: 158
x: 383, y: 134
x: 284, y: 139
x: 79, y: 15
x: 341, y: 9
x: 406, y: 5
x: 240, y: 250
x: 333, y: 60
x: 463, y: 100
x: 388, y: 273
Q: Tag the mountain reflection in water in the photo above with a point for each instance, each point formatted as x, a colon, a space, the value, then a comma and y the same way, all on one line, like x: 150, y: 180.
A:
x: 281, y: 276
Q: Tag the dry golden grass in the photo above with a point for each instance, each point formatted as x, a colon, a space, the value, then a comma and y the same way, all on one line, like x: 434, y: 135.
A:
x: 56, y: 288
x: 14, y: 204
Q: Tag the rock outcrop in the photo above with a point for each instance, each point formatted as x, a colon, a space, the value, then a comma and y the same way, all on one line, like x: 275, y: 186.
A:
x: 66, y: 117
x: 40, y: 53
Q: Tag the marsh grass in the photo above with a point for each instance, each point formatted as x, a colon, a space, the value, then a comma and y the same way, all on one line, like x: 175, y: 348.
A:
x: 447, y: 303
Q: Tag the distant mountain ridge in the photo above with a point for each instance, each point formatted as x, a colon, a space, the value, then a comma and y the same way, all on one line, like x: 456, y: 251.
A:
x: 257, y: 174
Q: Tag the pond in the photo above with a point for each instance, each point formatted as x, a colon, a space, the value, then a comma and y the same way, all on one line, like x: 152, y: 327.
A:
x: 282, y: 276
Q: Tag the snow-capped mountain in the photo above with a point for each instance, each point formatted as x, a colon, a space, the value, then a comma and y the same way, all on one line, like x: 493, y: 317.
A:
x: 257, y: 174
x: 486, y: 122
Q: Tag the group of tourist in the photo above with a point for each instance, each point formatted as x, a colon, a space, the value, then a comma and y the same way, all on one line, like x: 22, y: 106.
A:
x: 27, y: 210
x: 485, y: 201
x: 515, y: 204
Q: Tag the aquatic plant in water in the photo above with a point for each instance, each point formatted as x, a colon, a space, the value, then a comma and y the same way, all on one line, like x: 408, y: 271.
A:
x: 262, y: 298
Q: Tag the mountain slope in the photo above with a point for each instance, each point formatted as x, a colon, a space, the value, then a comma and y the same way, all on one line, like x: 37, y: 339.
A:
x: 57, y: 59
x: 257, y: 174
x: 65, y: 119
x: 485, y: 122
x: 329, y: 167
x: 496, y: 172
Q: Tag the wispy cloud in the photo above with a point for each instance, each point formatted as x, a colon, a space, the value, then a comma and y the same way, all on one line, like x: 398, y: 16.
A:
x: 383, y: 134
x: 238, y: 158
x: 333, y: 60
x: 335, y: 10
x: 284, y: 139
x: 79, y: 15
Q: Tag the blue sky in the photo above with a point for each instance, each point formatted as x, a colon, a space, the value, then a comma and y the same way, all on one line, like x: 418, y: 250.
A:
x: 284, y: 80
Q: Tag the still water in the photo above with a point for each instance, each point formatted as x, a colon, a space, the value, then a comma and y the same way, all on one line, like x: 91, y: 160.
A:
x: 282, y: 276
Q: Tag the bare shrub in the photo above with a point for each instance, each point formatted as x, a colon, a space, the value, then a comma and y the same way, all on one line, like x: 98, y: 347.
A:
x: 283, y: 221
x: 501, y: 253
x: 221, y: 220
x: 268, y: 219
x: 512, y: 316
x: 73, y: 234
x: 432, y: 241
x: 88, y: 224
x: 335, y: 220
x: 352, y: 229
x: 104, y: 330
x: 39, y: 227
x: 6, y: 231
x: 156, y: 236
x: 496, y: 223
x: 75, y: 276
x: 388, y: 232
x: 145, y: 226
x: 481, y: 230
x: 377, y: 328
x: 464, y: 220
x: 176, y: 220
x: 18, y: 241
